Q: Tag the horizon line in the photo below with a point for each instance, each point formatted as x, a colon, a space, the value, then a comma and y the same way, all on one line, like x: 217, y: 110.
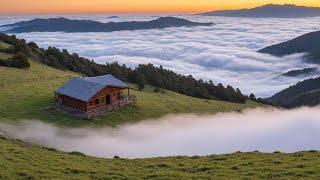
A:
x: 186, y: 12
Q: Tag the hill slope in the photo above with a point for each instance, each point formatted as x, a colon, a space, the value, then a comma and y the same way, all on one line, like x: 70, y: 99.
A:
x: 67, y: 25
x: 19, y: 160
x: 307, y: 43
x: 269, y: 11
x: 28, y: 94
x: 302, y: 72
x: 303, y: 93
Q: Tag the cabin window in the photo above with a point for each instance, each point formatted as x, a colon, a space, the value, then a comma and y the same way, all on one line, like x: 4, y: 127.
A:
x: 114, y: 94
x: 96, y: 101
x: 91, y: 103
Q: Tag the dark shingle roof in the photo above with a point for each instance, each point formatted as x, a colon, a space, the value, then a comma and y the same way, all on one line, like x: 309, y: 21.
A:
x: 108, y: 80
x: 84, y: 88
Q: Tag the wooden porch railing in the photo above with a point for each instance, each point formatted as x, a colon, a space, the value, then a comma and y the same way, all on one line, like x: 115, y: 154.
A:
x: 123, y: 101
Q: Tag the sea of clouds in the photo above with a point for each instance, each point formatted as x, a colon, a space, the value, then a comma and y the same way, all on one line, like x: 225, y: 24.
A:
x: 224, y: 52
x: 265, y: 130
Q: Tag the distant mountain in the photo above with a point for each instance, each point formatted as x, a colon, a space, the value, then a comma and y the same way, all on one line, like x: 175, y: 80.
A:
x: 303, y: 93
x: 113, y: 17
x: 269, y: 11
x: 301, y: 72
x: 308, y: 43
x: 67, y: 25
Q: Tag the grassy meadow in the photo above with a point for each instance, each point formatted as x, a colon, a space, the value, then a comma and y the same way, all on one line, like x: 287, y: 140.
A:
x: 5, y: 56
x: 19, y: 160
x: 28, y: 94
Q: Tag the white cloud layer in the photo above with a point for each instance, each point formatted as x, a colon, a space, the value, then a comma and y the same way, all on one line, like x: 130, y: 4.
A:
x: 266, y: 130
x: 224, y: 52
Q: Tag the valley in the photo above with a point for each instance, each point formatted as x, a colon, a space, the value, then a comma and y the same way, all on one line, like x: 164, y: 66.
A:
x: 216, y: 96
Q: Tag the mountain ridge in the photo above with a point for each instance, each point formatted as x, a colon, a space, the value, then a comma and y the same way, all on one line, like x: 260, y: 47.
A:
x: 304, y: 93
x: 308, y: 43
x: 269, y: 11
x: 68, y: 25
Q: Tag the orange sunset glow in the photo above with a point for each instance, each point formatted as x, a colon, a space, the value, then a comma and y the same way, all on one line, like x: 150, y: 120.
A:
x: 133, y: 6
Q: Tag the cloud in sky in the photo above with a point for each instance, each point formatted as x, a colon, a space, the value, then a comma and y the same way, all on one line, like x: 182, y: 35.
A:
x: 266, y: 130
x: 224, y: 52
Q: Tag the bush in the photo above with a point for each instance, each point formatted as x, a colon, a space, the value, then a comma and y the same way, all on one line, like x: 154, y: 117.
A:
x: 4, y: 63
x: 140, y: 80
x: 77, y: 153
x: 20, y: 61
x: 33, y: 45
x: 158, y: 90
x: 252, y: 97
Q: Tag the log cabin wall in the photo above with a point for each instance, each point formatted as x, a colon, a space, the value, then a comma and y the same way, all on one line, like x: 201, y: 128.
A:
x: 114, y: 93
x: 75, y: 103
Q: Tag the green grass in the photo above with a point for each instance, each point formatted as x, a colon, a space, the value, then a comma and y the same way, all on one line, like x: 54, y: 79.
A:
x: 5, y: 56
x: 28, y: 94
x: 4, y: 45
x: 19, y: 160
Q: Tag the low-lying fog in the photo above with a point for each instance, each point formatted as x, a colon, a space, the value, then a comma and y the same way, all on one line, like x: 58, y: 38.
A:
x: 265, y: 130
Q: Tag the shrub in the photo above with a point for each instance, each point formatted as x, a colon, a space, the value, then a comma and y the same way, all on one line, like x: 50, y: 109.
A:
x: 163, y: 165
x: 77, y: 153
x: 4, y: 63
x: 33, y: 45
x: 20, y: 61
x: 252, y: 97
x: 158, y: 90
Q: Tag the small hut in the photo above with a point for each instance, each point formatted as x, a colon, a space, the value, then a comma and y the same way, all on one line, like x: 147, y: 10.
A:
x: 90, y: 97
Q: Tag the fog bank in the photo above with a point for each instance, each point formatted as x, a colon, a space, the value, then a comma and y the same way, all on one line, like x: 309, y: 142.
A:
x: 265, y: 130
x: 224, y: 52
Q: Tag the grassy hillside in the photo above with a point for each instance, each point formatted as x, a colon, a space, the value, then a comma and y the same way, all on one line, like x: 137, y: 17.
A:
x: 4, y: 56
x: 4, y: 45
x: 22, y: 161
x: 28, y: 94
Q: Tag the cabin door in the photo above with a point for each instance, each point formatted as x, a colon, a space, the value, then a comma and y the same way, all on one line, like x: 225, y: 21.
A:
x: 107, y: 99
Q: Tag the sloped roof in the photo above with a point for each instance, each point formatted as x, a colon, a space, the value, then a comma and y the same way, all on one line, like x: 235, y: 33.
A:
x: 84, y: 88
x: 108, y: 80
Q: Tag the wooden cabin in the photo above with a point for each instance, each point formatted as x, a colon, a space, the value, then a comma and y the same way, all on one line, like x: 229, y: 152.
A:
x: 91, y: 97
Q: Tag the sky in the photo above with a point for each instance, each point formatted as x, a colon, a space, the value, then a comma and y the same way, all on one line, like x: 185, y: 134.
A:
x: 17, y: 7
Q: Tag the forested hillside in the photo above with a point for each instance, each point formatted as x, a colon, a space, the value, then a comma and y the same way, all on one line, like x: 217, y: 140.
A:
x: 307, y: 43
x: 27, y: 93
x: 143, y: 74
x: 303, y: 93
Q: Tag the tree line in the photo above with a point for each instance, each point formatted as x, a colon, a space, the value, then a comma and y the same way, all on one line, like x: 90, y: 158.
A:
x: 19, y: 49
x: 141, y: 75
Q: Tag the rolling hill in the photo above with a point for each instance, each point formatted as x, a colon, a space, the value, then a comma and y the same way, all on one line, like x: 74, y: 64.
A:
x: 308, y: 43
x: 68, y: 25
x: 302, y: 72
x: 20, y: 160
x: 305, y: 93
x: 28, y: 94
x: 269, y: 11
